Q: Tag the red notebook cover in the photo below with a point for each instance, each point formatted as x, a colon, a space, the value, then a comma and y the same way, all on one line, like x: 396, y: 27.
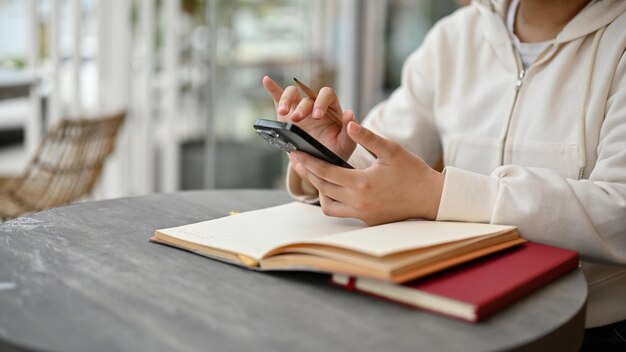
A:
x: 477, y: 289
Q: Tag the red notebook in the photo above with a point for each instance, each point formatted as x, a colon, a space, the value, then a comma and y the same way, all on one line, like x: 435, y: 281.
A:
x: 477, y: 289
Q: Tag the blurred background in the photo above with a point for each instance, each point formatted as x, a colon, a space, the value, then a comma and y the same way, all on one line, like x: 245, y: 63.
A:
x: 187, y: 73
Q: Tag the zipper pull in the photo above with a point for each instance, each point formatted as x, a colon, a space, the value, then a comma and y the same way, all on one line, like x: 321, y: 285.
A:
x: 520, y: 79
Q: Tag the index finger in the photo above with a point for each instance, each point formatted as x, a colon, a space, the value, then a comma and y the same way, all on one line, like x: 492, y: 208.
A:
x: 290, y: 97
x: 273, y: 89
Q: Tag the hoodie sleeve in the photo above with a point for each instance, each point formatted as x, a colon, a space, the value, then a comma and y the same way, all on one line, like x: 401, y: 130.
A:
x: 407, y: 116
x: 585, y: 215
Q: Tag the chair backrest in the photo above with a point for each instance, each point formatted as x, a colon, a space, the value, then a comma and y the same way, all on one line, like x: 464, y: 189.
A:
x: 67, y: 163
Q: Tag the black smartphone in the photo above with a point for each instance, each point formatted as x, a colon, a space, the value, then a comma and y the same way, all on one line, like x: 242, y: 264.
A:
x: 289, y: 137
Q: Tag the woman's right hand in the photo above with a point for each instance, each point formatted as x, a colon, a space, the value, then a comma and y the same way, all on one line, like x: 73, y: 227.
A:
x: 322, y: 118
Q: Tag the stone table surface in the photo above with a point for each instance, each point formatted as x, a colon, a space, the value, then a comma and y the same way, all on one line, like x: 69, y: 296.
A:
x: 85, y: 278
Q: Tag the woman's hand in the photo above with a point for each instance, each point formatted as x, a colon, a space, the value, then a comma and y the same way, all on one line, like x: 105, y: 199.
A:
x: 322, y: 118
x: 397, y: 186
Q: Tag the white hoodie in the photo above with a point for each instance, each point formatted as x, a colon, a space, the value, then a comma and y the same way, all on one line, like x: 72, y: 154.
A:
x: 543, y: 149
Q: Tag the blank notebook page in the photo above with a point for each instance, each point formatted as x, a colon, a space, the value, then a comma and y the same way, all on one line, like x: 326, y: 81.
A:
x: 254, y: 233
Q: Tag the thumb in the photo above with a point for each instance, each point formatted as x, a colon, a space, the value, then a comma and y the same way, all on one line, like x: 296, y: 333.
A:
x: 377, y: 145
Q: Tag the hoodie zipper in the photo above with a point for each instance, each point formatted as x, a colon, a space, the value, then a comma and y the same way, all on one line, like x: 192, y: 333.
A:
x: 521, y: 73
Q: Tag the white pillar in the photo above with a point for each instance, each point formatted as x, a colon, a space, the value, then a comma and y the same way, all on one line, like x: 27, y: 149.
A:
x: 113, y: 90
x: 210, y: 144
x: 76, y: 12
x: 372, y: 55
x: 33, y: 125
x: 170, y: 166
x: 348, y: 69
x: 143, y: 153
x: 54, y: 93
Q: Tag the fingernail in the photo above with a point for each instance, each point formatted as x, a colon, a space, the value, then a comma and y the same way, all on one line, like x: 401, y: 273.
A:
x: 317, y: 113
x: 299, y: 169
x: 296, y: 114
x: 283, y: 109
x: 356, y: 128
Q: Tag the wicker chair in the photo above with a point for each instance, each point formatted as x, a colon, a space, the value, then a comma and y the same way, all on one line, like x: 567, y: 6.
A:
x: 65, y: 168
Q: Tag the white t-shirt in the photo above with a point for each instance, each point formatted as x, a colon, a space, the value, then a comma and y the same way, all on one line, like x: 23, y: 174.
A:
x: 528, y: 51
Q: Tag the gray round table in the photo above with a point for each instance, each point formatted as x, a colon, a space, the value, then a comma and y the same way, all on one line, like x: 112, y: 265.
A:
x: 85, y: 278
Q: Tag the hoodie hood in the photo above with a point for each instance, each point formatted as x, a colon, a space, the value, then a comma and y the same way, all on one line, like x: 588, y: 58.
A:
x: 593, y: 17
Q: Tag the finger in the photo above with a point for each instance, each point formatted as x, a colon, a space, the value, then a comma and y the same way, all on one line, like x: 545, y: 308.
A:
x: 326, y: 171
x: 304, y: 109
x: 348, y: 116
x: 326, y: 100
x: 344, y: 139
x: 327, y: 188
x: 296, y: 167
x: 273, y: 89
x: 376, y: 144
x: 332, y: 207
x: 289, y: 97
x: 293, y: 161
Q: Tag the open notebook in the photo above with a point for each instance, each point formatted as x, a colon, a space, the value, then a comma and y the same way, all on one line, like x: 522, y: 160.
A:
x: 298, y: 236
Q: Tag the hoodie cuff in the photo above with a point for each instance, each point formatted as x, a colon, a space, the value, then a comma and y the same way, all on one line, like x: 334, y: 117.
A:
x: 467, y: 196
x: 360, y: 158
x: 300, y: 190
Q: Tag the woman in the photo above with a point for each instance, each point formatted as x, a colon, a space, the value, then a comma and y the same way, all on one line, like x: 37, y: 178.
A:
x: 526, y: 104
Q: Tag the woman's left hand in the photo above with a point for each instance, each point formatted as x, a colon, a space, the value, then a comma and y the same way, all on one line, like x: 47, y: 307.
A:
x: 397, y: 186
